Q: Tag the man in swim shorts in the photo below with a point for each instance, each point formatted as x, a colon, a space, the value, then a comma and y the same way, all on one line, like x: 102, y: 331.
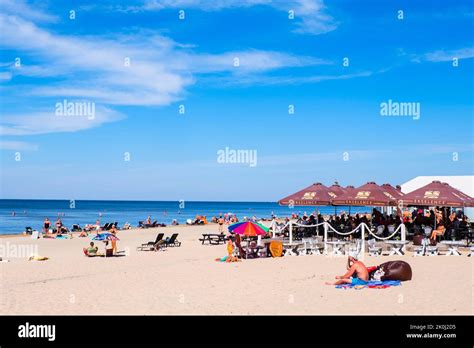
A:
x: 357, y: 273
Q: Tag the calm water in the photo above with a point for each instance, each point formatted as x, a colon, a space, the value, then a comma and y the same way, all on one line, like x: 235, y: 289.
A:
x: 32, y: 212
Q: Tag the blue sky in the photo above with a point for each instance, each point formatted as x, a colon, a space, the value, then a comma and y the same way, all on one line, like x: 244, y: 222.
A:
x: 336, y: 131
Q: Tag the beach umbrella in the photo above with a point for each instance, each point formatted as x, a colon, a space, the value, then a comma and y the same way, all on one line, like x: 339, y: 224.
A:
x: 347, y: 189
x: 369, y: 194
x: 316, y: 194
x: 248, y: 228
x: 393, y: 191
x: 437, y: 193
x: 105, y: 236
x: 336, y: 190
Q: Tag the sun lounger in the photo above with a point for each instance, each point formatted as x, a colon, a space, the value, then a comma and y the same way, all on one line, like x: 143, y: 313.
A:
x: 151, y: 245
x: 172, y: 242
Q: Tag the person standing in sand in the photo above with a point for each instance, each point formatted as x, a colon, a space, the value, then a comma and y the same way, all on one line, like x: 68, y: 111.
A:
x: 357, y: 273
x: 46, y: 225
x: 113, y: 230
x: 97, y: 226
x: 220, y: 221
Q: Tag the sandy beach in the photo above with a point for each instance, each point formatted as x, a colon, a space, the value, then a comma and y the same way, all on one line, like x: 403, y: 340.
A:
x: 188, y: 280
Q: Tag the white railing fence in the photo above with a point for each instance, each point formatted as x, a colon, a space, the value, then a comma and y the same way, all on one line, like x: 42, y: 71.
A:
x: 362, y: 228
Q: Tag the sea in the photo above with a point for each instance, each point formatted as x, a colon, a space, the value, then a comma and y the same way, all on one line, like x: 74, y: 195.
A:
x: 17, y: 214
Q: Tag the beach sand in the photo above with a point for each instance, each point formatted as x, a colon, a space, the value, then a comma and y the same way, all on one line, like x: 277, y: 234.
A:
x: 187, y: 280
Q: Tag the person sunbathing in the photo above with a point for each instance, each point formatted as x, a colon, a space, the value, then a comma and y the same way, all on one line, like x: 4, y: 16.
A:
x: 83, y: 233
x: 357, y: 273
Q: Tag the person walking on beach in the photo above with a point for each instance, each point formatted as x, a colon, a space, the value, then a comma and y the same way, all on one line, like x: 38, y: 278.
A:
x: 220, y: 221
x: 357, y: 273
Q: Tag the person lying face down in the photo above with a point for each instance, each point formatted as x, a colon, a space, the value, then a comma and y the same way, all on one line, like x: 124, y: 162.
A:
x: 357, y: 273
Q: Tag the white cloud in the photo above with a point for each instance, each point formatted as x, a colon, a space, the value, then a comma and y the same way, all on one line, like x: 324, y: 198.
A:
x: 94, y: 67
x: 265, y: 80
x: 17, y: 145
x: 249, y: 61
x: 5, y: 76
x: 48, y: 122
x: 21, y: 8
x: 311, y: 16
x: 98, y: 66
x: 445, y: 55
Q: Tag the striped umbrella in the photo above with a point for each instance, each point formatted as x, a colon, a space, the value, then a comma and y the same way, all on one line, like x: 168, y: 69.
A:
x: 248, y: 228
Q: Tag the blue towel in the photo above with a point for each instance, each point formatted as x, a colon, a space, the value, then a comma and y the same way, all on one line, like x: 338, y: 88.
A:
x: 372, y: 284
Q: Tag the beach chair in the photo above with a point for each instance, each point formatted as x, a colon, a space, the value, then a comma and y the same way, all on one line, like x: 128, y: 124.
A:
x: 374, y: 250
x: 76, y: 228
x: 427, y: 231
x: 314, y: 247
x: 379, y: 230
x: 355, y: 248
x: 172, y: 242
x: 421, y: 249
x: 151, y: 245
x: 28, y: 230
x: 432, y: 250
x: 306, y: 249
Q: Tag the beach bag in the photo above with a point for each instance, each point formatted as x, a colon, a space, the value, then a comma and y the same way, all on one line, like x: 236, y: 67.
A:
x: 276, y: 248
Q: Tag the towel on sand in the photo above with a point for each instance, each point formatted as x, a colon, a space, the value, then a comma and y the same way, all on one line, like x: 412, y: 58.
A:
x: 372, y: 284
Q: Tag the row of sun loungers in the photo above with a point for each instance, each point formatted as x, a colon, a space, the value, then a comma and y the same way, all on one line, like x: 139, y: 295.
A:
x: 141, y: 224
x: 165, y: 243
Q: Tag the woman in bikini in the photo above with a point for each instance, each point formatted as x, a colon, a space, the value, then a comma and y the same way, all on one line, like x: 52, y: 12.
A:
x: 440, y: 228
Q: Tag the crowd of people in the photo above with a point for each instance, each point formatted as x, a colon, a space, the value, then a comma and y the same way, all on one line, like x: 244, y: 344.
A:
x: 440, y: 221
